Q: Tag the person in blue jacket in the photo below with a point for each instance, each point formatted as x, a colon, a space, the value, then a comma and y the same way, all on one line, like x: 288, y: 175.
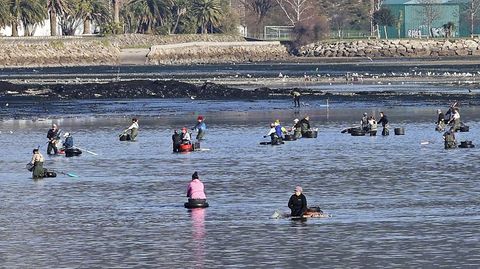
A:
x: 200, y: 127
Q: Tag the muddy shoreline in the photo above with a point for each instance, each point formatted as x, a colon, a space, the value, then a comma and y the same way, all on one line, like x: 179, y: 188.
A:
x: 164, y: 89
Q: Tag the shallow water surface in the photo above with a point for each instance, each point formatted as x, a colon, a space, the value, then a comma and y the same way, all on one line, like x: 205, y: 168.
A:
x: 394, y: 202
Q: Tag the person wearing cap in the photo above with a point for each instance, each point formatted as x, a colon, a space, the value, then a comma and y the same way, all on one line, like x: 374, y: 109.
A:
x: 68, y: 143
x: 37, y: 162
x: 297, y: 128
x: 185, y: 136
x: 176, y: 140
x: 273, y: 135
x: 305, y: 124
x: 200, y: 127
x: 53, y: 138
x: 297, y: 203
x: 440, y: 121
x: 384, y: 122
x: 133, y: 129
x: 196, y: 190
x: 364, y: 122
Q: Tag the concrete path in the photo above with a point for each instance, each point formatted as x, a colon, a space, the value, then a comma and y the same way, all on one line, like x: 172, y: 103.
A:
x: 133, y: 56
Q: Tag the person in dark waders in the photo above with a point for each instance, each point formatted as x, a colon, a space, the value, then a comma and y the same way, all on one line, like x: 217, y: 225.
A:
x: 440, y: 121
x: 53, y: 137
x: 384, y: 122
x: 275, y: 140
x: 297, y: 203
x: 449, y: 137
x: 37, y: 162
x: 176, y: 140
x: 296, y: 98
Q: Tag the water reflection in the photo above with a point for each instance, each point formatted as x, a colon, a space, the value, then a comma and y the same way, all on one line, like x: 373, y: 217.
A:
x: 198, y: 235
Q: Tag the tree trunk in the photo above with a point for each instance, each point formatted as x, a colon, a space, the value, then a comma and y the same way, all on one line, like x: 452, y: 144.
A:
x: 53, y: 22
x: 471, y: 23
x: 116, y: 11
x: 385, y: 30
x: 174, y: 30
x: 86, y: 26
x: 15, y: 28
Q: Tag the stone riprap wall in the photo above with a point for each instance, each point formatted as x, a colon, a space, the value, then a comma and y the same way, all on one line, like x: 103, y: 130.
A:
x: 146, y: 41
x: 392, y: 48
x: 20, y: 52
x: 214, y: 52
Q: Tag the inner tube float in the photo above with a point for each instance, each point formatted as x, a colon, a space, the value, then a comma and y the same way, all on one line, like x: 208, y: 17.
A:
x: 47, y: 173
x: 289, y: 137
x: 125, y: 137
x: 466, y: 144
x: 399, y: 131
x: 70, y: 152
x: 192, y: 203
x: 185, y: 148
x: 464, y: 129
x: 357, y: 132
x: 270, y: 143
x: 310, y: 134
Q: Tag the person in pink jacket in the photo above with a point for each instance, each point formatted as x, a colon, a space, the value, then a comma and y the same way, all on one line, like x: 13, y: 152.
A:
x: 195, y: 190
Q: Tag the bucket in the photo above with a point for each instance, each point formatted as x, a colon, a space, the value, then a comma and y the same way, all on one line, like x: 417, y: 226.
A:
x: 399, y: 131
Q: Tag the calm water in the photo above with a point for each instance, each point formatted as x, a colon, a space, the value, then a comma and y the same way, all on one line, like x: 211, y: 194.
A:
x: 395, y: 203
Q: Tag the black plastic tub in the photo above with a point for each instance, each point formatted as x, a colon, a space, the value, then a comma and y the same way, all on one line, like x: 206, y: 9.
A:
x: 310, y: 134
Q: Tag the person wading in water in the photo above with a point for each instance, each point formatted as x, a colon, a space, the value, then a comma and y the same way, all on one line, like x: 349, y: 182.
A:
x: 53, y: 137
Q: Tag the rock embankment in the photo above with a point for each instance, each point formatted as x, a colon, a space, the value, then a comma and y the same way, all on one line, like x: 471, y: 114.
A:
x: 57, y: 52
x: 215, y: 52
x: 126, y: 41
x: 392, y: 48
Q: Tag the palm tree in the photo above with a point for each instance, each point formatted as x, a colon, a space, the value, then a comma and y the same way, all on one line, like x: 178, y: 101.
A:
x: 92, y: 10
x: 27, y: 12
x: 151, y: 13
x: 4, y: 13
x: 55, y: 8
x: 207, y: 13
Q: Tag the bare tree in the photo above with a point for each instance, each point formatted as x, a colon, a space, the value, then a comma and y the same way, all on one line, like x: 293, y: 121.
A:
x: 429, y: 12
x: 296, y: 10
x: 472, y: 10
x: 339, y: 22
x: 260, y: 8
x: 374, y: 7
